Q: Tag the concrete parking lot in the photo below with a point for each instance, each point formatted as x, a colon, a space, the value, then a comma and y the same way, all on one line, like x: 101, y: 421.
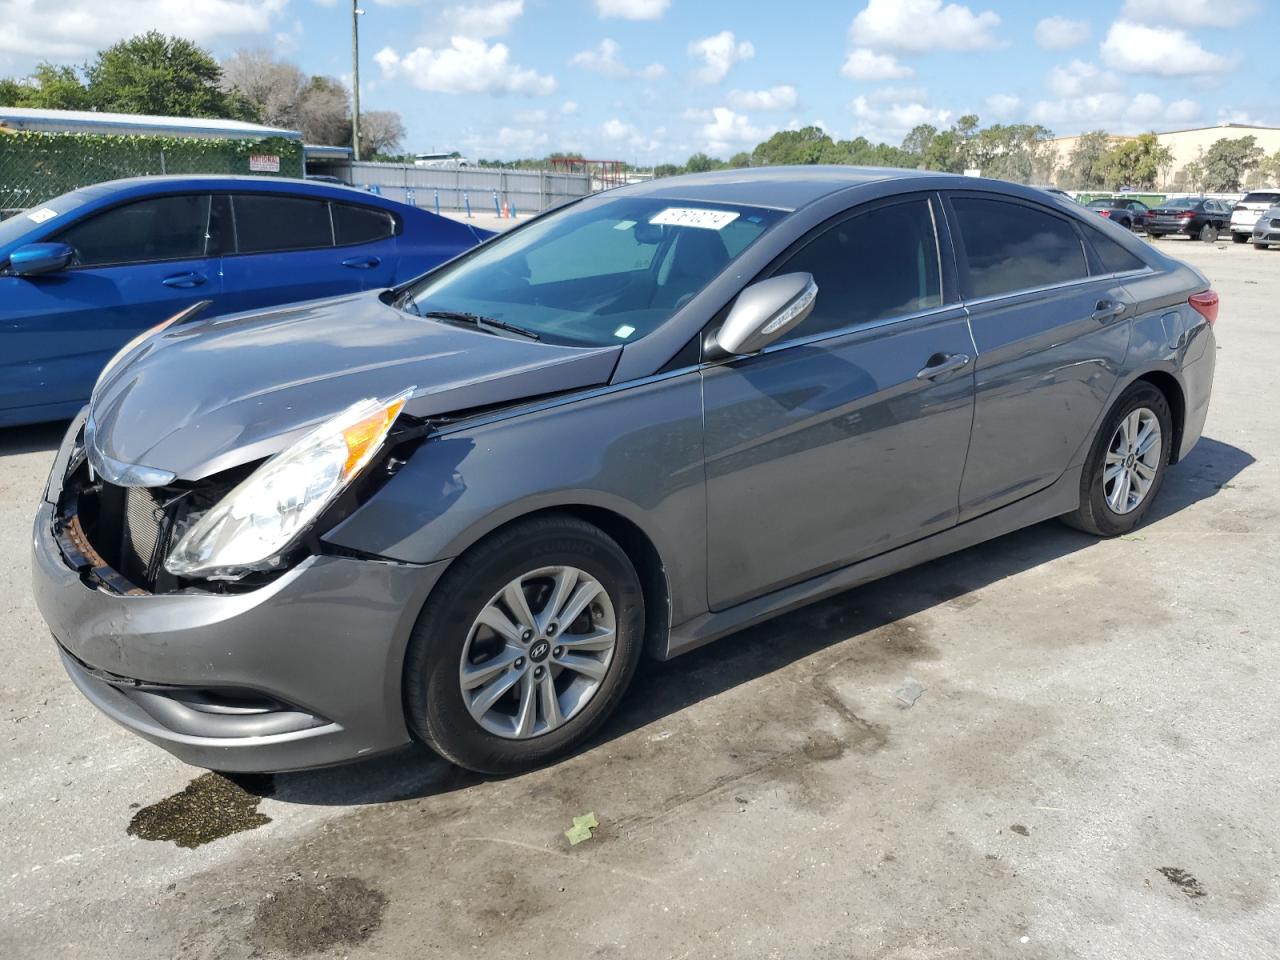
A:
x: 1092, y: 769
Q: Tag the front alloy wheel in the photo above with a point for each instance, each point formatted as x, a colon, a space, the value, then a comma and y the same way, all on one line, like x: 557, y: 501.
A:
x: 538, y: 652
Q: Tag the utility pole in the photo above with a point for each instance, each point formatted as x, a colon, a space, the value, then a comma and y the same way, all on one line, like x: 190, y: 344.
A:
x: 355, y: 78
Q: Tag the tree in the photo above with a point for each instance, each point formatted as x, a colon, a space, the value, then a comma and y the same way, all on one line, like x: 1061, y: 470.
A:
x: 324, y: 112
x: 152, y: 73
x: 740, y: 159
x: 667, y: 170
x: 1137, y: 163
x: 274, y: 87
x: 381, y: 131
x: 806, y: 145
x: 1227, y: 162
x: 48, y: 87
x: 1086, y: 167
x: 1018, y: 152
x: 701, y: 163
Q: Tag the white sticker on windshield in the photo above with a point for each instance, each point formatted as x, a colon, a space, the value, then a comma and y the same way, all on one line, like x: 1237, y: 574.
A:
x: 624, y: 331
x: 693, y: 217
x: 624, y: 225
x: 40, y: 216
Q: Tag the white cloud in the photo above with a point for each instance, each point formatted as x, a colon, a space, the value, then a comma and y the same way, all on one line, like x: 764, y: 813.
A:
x: 719, y: 53
x: 895, y: 120
x: 1002, y: 105
x: 920, y: 26
x: 477, y: 21
x: 697, y: 115
x: 632, y: 9
x: 728, y: 129
x: 604, y: 58
x: 898, y: 95
x: 506, y: 142
x: 1058, y: 33
x: 1191, y: 13
x: 531, y: 117
x: 1136, y: 48
x: 615, y: 129
x: 465, y: 66
x: 1078, y: 78
x: 864, y: 64
x: 1112, y: 111
x: 782, y: 97
x: 569, y: 107
x: 76, y: 28
x: 619, y: 131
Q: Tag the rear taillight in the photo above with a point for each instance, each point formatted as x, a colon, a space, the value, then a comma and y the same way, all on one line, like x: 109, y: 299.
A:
x: 1186, y: 214
x: 1205, y: 304
x: 1105, y: 213
x: 1241, y: 208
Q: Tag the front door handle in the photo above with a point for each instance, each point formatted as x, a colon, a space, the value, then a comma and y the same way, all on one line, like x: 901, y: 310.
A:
x: 361, y: 263
x: 1105, y: 310
x: 184, y: 280
x: 942, y: 363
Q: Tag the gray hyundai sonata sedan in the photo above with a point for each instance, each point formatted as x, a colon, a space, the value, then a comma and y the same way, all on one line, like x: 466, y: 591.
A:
x: 460, y: 511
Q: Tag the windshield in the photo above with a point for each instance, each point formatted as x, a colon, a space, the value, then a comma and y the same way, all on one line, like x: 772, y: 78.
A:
x: 599, y: 272
x: 1268, y: 198
x: 20, y: 224
x: 1186, y: 203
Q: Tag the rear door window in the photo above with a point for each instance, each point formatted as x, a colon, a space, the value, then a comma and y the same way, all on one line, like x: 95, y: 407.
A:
x: 267, y: 223
x: 872, y: 266
x: 355, y: 224
x: 1013, y: 246
x: 146, y: 231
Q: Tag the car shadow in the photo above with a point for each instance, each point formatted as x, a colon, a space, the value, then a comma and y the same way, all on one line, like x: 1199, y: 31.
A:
x: 663, y: 689
x: 35, y: 438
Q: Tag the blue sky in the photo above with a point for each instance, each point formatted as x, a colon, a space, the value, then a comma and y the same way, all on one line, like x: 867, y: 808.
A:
x: 655, y: 80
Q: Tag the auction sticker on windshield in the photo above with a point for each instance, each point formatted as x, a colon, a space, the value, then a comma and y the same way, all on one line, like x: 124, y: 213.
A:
x: 40, y: 216
x: 694, y: 217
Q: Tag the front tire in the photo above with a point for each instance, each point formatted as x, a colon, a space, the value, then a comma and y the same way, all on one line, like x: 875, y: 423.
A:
x: 494, y: 680
x: 1208, y: 233
x: 1239, y: 238
x: 1126, y: 465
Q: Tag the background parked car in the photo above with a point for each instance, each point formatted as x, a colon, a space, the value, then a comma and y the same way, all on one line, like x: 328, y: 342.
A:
x: 1189, y: 216
x: 1130, y: 214
x: 84, y: 273
x: 1267, y: 229
x: 1246, y: 213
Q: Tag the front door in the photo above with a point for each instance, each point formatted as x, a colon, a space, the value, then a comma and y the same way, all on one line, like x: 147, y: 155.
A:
x: 847, y: 439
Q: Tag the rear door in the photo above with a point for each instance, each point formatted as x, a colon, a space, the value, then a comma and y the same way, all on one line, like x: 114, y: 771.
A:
x: 367, y: 240
x: 285, y: 252
x: 136, y: 265
x: 848, y: 438
x: 1051, y: 340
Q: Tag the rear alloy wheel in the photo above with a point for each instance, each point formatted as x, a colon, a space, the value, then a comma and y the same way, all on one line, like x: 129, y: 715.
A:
x: 1126, y: 465
x: 1208, y: 233
x: 526, y: 645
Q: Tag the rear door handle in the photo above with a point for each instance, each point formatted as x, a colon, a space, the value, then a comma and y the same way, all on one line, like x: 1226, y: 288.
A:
x: 184, y: 280
x: 361, y: 263
x: 1105, y: 310
x: 942, y: 363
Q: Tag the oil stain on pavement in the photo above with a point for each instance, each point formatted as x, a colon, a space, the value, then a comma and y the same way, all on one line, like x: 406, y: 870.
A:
x: 209, y: 808
x: 312, y: 916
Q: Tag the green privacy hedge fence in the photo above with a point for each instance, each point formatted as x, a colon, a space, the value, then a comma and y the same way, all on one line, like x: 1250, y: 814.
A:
x: 35, y: 167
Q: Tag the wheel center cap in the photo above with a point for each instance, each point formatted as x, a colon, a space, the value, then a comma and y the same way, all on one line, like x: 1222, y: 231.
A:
x: 539, y: 651
x: 1130, y: 460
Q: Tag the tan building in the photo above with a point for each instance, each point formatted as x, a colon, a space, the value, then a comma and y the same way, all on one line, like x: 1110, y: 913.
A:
x: 1187, y: 146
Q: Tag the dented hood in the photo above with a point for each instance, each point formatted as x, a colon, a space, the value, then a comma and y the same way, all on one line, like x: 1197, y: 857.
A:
x: 208, y: 395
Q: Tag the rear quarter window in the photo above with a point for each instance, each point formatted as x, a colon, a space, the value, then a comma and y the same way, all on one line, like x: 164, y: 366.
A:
x: 1112, y: 257
x: 355, y: 224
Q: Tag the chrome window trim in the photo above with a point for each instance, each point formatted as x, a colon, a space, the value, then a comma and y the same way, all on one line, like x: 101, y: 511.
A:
x: 1050, y: 287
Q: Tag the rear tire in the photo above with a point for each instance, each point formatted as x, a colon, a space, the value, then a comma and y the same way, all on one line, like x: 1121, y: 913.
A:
x: 1118, y: 466
x: 1239, y: 238
x: 1208, y: 233
x: 563, y: 692
x: 1261, y: 246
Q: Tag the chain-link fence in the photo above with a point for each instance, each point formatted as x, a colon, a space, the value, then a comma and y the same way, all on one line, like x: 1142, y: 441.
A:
x: 35, y: 167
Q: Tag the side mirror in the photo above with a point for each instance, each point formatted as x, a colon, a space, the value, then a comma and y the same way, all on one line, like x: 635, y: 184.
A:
x: 764, y: 312
x: 32, y: 259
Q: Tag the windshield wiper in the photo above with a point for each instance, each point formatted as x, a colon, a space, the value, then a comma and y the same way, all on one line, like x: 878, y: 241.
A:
x: 479, y: 322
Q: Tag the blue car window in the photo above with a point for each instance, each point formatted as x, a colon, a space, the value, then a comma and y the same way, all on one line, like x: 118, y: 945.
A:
x: 353, y: 224
x: 158, y: 228
x: 268, y: 223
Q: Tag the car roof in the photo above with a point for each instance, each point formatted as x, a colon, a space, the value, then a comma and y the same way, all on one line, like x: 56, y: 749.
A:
x: 138, y: 186
x: 782, y: 188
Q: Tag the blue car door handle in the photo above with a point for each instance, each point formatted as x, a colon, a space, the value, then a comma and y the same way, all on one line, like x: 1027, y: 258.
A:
x: 184, y: 280
x: 942, y: 363
x: 361, y: 263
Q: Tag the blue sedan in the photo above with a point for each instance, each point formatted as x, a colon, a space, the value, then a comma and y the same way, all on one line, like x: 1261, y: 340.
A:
x: 83, y: 274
